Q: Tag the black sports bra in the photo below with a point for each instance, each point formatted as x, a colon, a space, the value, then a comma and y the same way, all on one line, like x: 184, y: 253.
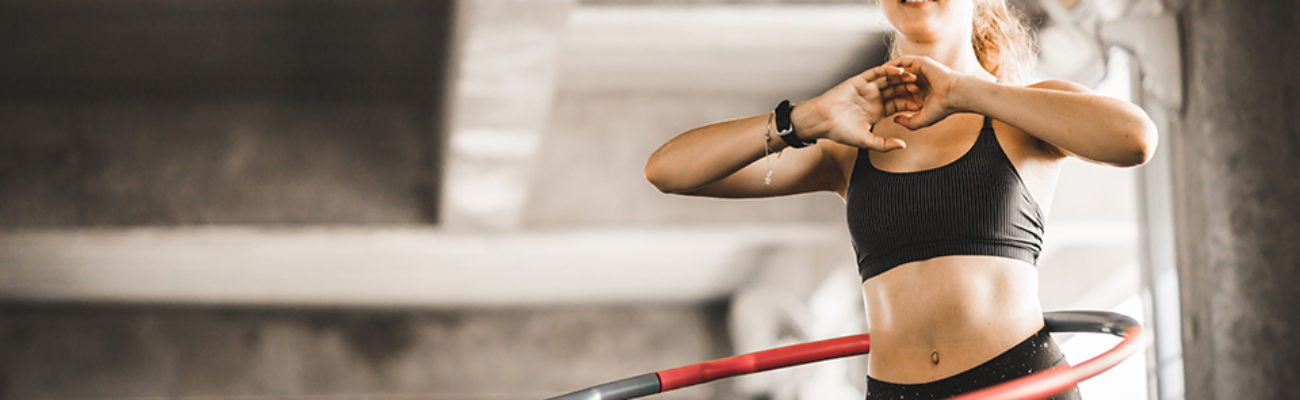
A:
x: 976, y: 205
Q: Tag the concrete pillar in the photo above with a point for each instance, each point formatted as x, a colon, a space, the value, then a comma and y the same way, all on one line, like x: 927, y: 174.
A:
x: 1236, y: 173
x: 509, y: 55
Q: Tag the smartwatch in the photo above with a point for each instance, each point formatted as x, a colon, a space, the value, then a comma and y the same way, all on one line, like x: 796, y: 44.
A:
x: 785, y: 127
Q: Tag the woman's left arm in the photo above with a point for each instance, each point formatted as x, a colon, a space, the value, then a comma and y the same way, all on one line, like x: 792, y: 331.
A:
x: 1065, y: 115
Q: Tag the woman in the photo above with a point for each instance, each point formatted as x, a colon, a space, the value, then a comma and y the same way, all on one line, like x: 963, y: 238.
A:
x: 947, y: 168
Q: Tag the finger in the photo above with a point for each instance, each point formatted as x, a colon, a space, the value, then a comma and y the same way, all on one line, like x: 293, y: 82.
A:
x: 892, y: 144
x: 904, y: 62
x: 889, y: 92
x: 888, y: 88
x: 910, y: 64
x: 869, y: 82
x: 904, y: 121
x: 894, y: 75
x: 902, y: 90
x: 908, y: 106
x: 871, y: 75
x: 882, y: 144
x: 875, y: 142
x: 917, y: 120
x: 917, y: 100
x: 901, y: 105
x: 881, y: 83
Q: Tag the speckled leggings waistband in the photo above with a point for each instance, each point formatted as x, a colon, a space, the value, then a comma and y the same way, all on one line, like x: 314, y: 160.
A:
x: 1037, y: 353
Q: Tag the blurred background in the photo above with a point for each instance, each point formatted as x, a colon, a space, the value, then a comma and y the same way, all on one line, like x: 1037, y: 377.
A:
x: 445, y: 200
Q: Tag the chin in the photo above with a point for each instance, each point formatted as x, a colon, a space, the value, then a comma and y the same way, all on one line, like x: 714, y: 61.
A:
x: 929, y: 20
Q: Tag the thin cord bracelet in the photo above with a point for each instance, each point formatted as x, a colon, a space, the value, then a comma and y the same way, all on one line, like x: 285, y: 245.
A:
x: 767, y: 149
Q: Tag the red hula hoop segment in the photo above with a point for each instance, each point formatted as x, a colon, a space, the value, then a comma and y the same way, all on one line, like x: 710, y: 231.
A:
x: 1056, y: 380
x: 802, y: 353
x: 1035, y: 386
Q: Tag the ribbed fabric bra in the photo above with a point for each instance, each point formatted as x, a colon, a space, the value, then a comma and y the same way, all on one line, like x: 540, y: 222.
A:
x: 976, y: 205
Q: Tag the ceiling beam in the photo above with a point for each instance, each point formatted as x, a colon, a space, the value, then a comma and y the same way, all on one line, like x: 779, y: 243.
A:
x: 389, y: 266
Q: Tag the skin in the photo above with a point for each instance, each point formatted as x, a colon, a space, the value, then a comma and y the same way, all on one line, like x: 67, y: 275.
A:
x: 926, y: 107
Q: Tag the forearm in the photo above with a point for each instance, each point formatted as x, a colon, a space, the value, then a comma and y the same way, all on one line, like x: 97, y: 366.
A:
x: 1090, y: 126
x: 712, y: 152
x: 709, y: 153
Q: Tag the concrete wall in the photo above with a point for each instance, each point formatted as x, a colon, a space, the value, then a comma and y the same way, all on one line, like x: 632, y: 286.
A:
x: 56, y: 351
x: 147, y: 112
x: 617, y: 193
x: 1236, y: 151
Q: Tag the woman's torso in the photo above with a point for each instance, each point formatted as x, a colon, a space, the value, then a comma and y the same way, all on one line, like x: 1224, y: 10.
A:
x: 962, y: 309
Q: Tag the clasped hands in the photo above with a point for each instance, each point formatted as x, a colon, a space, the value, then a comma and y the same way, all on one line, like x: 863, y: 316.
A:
x: 915, y: 91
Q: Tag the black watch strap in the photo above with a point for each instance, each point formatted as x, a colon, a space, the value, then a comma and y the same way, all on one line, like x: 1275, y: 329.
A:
x: 785, y: 127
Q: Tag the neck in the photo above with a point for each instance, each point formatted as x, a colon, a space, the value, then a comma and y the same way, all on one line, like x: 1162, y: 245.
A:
x: 956, y: 54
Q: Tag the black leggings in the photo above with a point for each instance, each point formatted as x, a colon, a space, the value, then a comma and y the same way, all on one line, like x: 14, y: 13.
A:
x: 1035, y: 354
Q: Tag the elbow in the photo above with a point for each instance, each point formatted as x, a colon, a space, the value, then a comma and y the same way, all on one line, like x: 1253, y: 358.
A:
x: 1141, y: 147
x: 664, y: 171
x: 658, y: 177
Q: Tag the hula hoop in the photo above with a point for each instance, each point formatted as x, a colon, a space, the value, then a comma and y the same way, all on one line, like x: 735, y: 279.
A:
x: 1038, y: 385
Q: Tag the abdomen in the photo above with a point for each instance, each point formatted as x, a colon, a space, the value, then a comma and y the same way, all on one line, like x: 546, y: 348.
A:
x: 967, y: 309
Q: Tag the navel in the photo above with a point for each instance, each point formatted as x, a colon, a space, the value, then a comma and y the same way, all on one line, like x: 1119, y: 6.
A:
x: 934, y: 358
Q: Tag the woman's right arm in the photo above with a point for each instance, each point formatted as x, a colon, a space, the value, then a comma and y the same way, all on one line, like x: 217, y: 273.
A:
x: 725, y: 159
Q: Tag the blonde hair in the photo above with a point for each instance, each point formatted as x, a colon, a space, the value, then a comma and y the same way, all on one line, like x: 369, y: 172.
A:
x: 1002, y: 43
